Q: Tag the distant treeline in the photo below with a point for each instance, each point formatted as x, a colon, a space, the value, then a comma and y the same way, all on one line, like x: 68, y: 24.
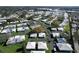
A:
x: 34, y: 7
x: 12, y: 9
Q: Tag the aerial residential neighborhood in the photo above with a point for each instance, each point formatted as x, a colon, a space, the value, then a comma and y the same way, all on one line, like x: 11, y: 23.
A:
x: 32, y: 29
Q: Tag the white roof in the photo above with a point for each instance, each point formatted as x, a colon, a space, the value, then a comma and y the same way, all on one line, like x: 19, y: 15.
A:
x: 30, y: 45
x: 56, y: 34
x: 11, y: 25
x: 16, y: 39
x: 6, y: 26
x: 20, y: 29
x: 61, y: 29
x: 66, y: 15
x: 64, y: 47
x: 0, y: 23
x: 20, y: 38
x: 61, y: 40
x: 42, y: 35
x: 45, y: 20
x: 37, y: 51
x: 6, y: 31
x: 36, y: 18
x: 21, y: 24
x: 24, y: 21
x: 35, y: 26
x: 26, y: 28
x: 54, y: 29
x: 1, y: 28
x: 42, y: 45
x: 14, y: 22
x: 74, y: 25
x: 13, y: 29
x: 33, y: 35
x: 3, y: 21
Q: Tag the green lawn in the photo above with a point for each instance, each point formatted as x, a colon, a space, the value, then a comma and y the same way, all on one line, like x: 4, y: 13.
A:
x: 10, y: 48
x: 49, y: 48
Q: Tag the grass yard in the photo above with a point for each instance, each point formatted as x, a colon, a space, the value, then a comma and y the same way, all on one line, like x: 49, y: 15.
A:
x: 13, y: 48
x: 10, y: 48
x: 49, y: 48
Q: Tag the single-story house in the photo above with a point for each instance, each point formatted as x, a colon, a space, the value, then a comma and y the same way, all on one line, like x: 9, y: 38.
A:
x: 44, y: 20
x: 24, y: 21
x: 64, y: 47
x: 37, y: 45
x: 14, y: 22
x: 21, y: 24
x: 55, y: 34
x: 33, y: 35
x: 31, y: 45
x: 6, y: 30
x: 53, y: 29
x: 61, y: 40
x: 26, y: 28
x: 42, y: 45
x: 2, y: 21
x: 15, y: 39
x: 74, y: 25
x: 13, y: 29
x: 10, y: 26
x: 60, y: 29
x: 41, y: 35
x: 20, y: 29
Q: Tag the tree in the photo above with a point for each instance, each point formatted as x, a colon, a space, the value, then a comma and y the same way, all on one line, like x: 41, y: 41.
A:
x: 3, y: 24
x: 38, y: 29
x: 55, y: 23
x: 12, y: 20
x: 66, y: 28
x: 23, y: 13
x: 30, y: 18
